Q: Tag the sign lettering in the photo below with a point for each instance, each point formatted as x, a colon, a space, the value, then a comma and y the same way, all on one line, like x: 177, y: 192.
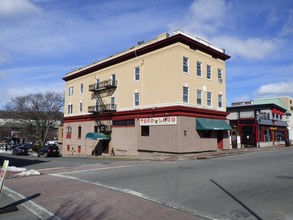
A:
x: 158, y: 121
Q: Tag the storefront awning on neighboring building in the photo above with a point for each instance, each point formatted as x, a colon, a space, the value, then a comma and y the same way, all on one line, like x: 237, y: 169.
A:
x: 266, y: 122
x: 281, y: 123
x: 211, y: 124
x: 97, y: 136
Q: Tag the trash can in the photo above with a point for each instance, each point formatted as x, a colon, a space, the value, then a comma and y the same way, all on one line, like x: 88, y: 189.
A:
x: 287, y: 143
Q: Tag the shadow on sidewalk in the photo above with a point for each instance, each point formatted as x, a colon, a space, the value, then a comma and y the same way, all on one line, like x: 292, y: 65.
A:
x: 13, y: 206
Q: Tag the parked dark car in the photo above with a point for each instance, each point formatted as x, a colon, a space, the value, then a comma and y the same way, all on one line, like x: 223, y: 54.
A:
x: 49, y: 151
x: 28, y: 146
x: 11, y: 147
x: 20, y: 150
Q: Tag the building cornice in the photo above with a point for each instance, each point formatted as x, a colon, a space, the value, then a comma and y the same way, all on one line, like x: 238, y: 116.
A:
x: 181, y: 38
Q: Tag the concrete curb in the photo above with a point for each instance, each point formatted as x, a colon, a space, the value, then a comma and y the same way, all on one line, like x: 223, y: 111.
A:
x: 191, y: 156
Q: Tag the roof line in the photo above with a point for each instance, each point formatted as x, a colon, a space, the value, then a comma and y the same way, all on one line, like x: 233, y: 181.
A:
x: 193, y: 44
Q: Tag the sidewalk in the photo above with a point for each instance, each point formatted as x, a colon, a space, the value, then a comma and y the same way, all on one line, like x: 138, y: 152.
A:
x: 191, y: 156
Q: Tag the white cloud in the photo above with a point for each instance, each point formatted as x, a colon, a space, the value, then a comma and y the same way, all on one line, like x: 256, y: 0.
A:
x: 277, y: 89
x: 17, y: 8
x: 251, y: 48
x: 210, y: 19
x: 204, y: 18
x: 287, y: 29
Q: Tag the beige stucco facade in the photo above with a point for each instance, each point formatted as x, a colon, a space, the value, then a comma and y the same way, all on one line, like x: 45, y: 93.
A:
x: 166, y: 66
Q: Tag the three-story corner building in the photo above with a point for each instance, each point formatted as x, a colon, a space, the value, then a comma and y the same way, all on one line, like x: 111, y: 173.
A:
x: 165, y: 95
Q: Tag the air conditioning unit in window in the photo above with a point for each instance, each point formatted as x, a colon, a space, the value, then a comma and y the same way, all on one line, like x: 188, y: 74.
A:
x: 220, y: 80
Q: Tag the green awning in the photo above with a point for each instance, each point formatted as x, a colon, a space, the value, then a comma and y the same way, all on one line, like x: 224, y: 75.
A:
x: 97, y: 136
x: 211, y: 124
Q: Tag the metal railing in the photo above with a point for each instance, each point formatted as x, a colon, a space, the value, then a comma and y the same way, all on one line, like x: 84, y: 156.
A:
x: 106, y: 84
x: 107, y: 108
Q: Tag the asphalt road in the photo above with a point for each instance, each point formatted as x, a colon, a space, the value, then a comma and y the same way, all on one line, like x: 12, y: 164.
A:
x: 256, y: 185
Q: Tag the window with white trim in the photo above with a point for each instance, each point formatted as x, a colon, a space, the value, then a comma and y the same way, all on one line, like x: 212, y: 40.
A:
x: 80, y: 107
x: 70, y: 91
x: 112, y: 105
x: 209, y: 99
x: 185, y: 94
x: 185, y: 64
x: 69, y: 109
x: 113, y: 79
x: 220, y: 75
x: 137, y: 73
x: 136, y: 99
x: 220, y: 101
x: 97, y: 83
x: 198, y: 69
x: 198, y: 96
x: 209, y: 72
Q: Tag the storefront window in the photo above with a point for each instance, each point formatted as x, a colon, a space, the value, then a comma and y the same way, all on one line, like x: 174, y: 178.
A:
x: 145, y: 130
x: 280, y: 135
x: 206, y: 134
x: 267, y: 135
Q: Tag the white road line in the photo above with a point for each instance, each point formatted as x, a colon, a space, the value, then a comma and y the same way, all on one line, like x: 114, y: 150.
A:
x: 96, y: 169
x: 140, y: 195
x: 36, y: 209
x: 53, y: 168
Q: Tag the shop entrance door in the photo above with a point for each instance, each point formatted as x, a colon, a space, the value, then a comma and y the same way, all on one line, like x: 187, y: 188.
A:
x: 220, y: 142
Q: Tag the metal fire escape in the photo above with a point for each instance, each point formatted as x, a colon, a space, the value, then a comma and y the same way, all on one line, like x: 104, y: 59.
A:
x: 102, y: 111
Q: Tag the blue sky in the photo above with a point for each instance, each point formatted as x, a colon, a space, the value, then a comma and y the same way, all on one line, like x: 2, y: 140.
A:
x: 42, y: 40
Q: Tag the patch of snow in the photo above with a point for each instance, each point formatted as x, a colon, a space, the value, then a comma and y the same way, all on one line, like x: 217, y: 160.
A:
x: 28, y: 173
x: 15, y: 169
x: 21, y: 172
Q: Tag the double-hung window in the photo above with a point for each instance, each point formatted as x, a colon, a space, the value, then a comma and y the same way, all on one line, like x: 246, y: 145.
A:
x: 185, y: 64
x: 136, y: 73
x: 209, y: 99
x: 97, y: 83
x: 185, y: 94
x: 69, y: 109
x: 198, y: 96
x: 198, y: 68
x: 113, y: 78
x: 70, y: 91
x: 220, y: 101
x: 136, y: 99
x: 112, y: 105
x: 220, y: 75
x: 209, y: 72
x: 80, y: 107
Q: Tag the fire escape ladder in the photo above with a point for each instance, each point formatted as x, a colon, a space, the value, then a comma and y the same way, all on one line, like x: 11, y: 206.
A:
x: 102, y: 110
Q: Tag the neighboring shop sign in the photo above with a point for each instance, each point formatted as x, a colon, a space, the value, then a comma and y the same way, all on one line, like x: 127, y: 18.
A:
x: 158, y: 121
x: 2, y: 174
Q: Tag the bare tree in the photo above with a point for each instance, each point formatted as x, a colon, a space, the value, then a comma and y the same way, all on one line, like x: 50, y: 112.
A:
x: 37, y: 113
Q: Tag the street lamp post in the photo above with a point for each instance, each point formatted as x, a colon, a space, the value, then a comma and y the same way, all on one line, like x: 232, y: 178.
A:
x: 258, y: 136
